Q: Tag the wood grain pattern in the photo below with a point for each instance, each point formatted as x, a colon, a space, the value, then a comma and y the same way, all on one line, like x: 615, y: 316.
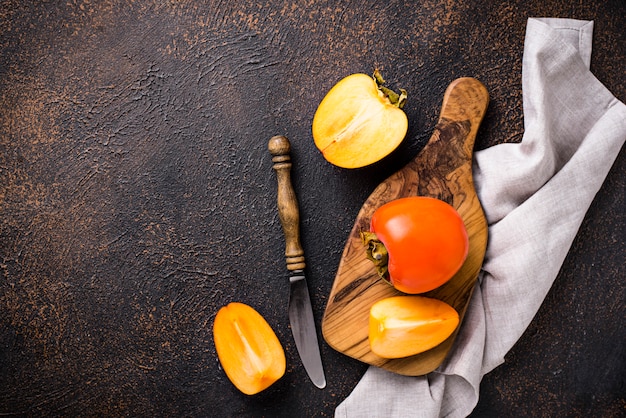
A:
x: 287, y: 202
x: 443, y: 170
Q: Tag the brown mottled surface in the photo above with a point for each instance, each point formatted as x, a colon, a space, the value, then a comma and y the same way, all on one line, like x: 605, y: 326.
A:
x: 137, y: 196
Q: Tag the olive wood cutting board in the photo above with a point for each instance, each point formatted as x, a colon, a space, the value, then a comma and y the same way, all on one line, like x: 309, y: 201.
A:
x: 443, y: 169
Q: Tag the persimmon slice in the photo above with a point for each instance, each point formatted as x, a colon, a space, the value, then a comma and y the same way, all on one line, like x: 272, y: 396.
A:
x: 247, y: 347
x: 402, y: 326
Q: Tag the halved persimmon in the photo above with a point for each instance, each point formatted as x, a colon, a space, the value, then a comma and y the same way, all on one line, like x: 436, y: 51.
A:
x: 247, y: 347
x: 359, y: 121
x: 402, y: 326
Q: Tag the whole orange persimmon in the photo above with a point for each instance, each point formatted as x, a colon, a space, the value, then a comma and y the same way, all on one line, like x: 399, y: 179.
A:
x: 247, y: 347
x: 417, y: 243
x: 359, y: 121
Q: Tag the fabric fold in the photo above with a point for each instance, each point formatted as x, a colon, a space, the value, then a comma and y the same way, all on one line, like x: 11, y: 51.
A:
x: 535, y: 195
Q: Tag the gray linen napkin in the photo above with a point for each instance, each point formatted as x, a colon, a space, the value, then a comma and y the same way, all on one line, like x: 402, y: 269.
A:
x: 535, y: 195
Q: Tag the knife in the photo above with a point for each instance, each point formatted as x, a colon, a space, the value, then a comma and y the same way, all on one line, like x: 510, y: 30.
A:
x: 300, y: 310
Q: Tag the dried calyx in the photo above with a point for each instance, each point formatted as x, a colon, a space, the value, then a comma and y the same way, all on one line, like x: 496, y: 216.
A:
x: 396, y: 99
x: 377, y: 253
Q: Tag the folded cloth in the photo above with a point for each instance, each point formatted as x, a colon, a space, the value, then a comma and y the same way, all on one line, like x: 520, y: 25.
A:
x: 535, y: 195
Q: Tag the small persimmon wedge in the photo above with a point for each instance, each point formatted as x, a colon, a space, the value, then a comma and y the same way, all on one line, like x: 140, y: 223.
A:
x: 359, y: 121
x: 402, y: 326
x: 247, y: 347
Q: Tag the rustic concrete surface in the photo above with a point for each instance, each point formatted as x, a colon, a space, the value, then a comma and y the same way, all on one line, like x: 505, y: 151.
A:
x: 137, y: 196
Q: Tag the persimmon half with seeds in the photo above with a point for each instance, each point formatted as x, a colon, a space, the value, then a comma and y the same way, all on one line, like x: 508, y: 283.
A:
x: 359, y: 121
x: 247, y: 347
x: 402, y: 326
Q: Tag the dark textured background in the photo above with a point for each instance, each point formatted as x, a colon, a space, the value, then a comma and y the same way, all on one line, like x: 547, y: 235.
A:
x: 137, y: 196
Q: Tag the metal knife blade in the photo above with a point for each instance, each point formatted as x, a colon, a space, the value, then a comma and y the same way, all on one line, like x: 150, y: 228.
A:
x: 300, y: 309
x: 303, y: 329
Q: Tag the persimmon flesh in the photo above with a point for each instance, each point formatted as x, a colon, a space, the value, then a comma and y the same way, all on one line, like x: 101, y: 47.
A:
x: 424, y: 243
x: 359, y: 121
x: 402, y: 326
x: 247, y: 347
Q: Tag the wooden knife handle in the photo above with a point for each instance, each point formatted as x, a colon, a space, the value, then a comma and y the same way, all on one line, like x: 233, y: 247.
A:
x: 288, y: 212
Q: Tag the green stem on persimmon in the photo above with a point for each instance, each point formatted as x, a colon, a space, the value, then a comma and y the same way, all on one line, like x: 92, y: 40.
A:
x: 396, y: 99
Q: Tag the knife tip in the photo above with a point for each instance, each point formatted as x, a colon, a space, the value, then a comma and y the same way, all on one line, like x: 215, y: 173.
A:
x: 320, y: 385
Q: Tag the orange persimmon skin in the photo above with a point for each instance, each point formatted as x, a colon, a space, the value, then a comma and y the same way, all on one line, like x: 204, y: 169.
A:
x: 402, y: 326
x: 426, y: 241
x: 247, y: 347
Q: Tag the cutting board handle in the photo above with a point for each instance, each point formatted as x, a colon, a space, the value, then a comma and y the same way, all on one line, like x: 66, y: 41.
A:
x: 288, y: 212
x: 465, y: 99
